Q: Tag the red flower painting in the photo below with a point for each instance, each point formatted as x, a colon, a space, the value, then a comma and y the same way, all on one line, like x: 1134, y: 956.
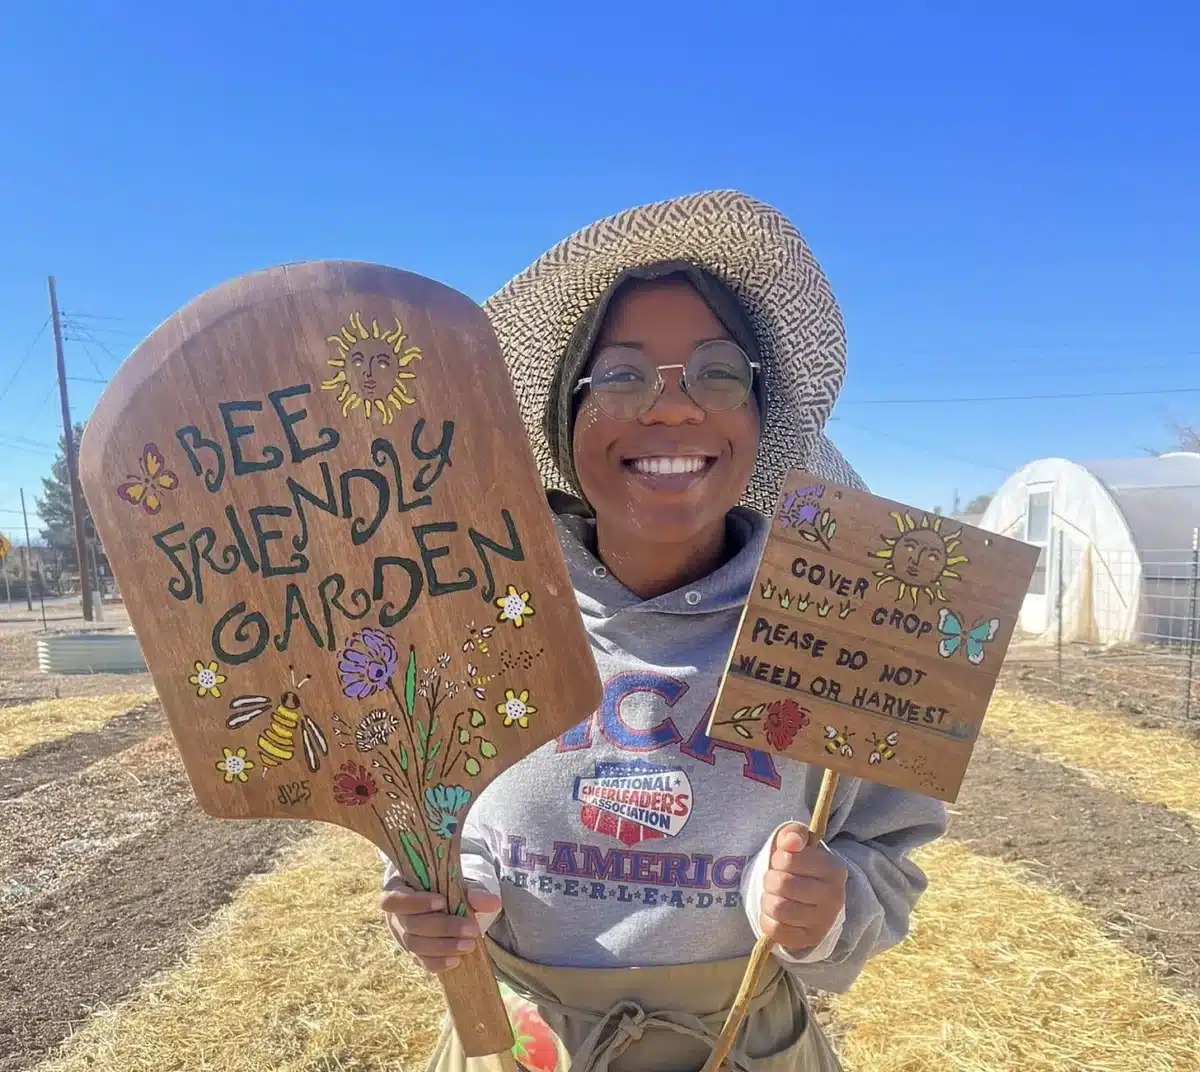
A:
x: 782, y: 721
x: 353, y: 785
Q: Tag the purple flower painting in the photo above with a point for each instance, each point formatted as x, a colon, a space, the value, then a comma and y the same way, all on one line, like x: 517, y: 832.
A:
x: 367, y: 662
x: 800, y: 507
x: 801, y: 511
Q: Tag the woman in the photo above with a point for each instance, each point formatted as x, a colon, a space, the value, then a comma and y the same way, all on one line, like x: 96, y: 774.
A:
x: 672, y: 363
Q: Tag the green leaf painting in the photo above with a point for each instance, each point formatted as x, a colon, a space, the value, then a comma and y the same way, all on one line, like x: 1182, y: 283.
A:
x: 414, y: 858
x: 410, y: 680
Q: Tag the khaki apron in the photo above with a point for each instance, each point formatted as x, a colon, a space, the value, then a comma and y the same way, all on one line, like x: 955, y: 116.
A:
x: 644, y: 1020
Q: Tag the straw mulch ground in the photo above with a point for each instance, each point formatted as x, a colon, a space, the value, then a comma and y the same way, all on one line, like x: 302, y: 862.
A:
x: 24, y: 725
x: 298, y: 974
x: 1002, y: 975
x: 1157, y: 766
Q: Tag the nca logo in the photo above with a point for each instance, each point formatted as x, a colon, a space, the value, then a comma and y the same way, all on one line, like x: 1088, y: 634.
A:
x: 634, y: 801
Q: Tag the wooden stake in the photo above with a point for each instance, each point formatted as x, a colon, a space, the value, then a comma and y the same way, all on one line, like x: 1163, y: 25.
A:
x: 760, y: 957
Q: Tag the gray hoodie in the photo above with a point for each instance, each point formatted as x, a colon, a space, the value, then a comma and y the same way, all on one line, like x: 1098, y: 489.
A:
x: 635, y: 839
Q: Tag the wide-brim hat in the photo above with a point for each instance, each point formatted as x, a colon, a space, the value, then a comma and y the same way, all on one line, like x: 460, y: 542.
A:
x: 751, y: 248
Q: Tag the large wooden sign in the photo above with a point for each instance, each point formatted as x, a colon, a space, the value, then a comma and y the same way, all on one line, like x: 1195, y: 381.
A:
x: 316, y: 492
x: 872, y: 638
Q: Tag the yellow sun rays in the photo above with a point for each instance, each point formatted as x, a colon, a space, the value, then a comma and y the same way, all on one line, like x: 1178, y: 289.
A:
x: 935, y: 548
x: 383, y: 403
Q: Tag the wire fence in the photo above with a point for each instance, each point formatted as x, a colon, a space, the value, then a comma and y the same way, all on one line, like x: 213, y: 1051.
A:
x: 1119, y: 628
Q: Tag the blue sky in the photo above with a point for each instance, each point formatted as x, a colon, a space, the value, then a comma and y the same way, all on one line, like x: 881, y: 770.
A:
x: 1003, y: 196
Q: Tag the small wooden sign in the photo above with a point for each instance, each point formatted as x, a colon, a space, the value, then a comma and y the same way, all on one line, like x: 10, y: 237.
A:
x: 317, y: 494
x: 872, y: 638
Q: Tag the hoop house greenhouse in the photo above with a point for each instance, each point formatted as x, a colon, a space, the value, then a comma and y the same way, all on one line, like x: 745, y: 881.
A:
x: 1117, y: 546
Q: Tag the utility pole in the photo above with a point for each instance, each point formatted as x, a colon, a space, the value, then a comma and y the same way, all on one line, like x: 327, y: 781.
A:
x: 85, y: 580
x: 28, y: 555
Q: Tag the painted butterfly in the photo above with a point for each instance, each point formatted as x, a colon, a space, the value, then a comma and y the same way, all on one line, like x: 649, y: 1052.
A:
x: 146, y: 490
x: 954, y: 636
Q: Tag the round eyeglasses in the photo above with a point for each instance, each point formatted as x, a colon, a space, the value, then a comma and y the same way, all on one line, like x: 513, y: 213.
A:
x: 626, y: 383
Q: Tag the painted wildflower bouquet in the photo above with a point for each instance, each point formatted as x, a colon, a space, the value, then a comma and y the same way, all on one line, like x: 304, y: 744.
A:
x: 421, y: 736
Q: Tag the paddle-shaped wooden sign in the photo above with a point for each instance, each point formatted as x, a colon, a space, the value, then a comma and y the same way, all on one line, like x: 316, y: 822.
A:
x: 317, y: 495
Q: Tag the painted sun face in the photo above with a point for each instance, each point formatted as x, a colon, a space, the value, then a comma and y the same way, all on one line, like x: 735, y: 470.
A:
x: 366, y: 370
x: 372, y: 369
x: 919, y: 558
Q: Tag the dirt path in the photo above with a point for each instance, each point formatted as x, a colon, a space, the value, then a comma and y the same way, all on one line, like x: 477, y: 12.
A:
x: 1138, y: 865
x: 1145, y: 688
x: 104, y: 876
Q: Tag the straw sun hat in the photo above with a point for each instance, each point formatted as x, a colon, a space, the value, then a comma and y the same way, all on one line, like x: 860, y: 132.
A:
x: 750, y: 248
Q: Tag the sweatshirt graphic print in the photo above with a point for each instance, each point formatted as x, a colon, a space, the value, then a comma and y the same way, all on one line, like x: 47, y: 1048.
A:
x: 635, y: 839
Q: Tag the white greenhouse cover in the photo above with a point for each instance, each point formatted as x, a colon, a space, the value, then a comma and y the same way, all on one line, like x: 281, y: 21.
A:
x: 1126, y: 530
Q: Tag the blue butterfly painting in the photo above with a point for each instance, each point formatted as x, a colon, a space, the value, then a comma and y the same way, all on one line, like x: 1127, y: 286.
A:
x: 954, y: 636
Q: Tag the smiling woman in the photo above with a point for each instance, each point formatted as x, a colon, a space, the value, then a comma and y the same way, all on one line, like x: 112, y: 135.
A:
x: 673, y: 364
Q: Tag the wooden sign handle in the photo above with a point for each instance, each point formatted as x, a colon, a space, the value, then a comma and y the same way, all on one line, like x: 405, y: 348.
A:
x: 761, y: 954
x: 476, y: 1006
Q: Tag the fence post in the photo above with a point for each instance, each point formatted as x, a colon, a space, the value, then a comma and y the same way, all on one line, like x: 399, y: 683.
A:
x: 1059, y: 604
x: 1195, y: 589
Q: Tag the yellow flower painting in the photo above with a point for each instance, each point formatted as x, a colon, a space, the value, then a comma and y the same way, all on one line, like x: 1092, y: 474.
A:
x: 516, y: 708
x: 208, y: 680
x: 234, y: 765
x: 514, y: 607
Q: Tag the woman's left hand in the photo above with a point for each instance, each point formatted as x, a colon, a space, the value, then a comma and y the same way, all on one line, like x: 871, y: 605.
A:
x: 804, y: 890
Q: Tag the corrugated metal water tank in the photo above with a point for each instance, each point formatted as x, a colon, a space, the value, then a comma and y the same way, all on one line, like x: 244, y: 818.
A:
x: 90, y: 653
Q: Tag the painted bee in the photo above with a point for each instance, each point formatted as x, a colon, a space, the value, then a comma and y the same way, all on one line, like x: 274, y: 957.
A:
x: 836, y: 742
x: 277, y: 742
x: 477, y: 638
x: 883, y: 749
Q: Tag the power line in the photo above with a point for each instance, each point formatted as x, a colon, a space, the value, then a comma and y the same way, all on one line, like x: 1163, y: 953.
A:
x: 89, y: 316
x: 86, y: 379
x: 922, y: 447
x: 25, y: 439
x: 25, y: 357
x: 90, y: 356
x: 1013, y: 398
x: 89, y: 337
x: 26, y: 450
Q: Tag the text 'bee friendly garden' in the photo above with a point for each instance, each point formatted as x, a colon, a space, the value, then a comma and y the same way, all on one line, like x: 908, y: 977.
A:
x: 870, y: 646
x: 317, y: 495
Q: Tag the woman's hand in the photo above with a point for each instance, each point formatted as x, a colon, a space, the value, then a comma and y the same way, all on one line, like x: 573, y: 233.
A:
x: 804, y: 890
x: 420, y: 923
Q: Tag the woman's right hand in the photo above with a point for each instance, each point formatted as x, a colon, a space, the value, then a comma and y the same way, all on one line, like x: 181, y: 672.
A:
x: 420, y: 923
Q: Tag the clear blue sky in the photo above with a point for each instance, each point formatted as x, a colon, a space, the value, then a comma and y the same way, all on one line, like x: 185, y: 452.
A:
x: 1006, y: 200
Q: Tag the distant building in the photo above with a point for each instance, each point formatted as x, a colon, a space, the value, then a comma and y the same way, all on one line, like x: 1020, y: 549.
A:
x: 1126, y: 529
